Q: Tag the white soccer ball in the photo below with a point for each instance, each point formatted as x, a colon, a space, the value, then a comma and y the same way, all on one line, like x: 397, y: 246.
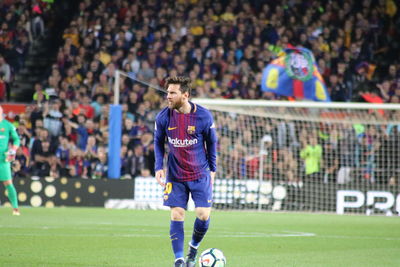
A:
x: 212, y: 257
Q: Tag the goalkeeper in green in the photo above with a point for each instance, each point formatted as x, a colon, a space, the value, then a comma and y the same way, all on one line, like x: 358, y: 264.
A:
x: 7, y: 154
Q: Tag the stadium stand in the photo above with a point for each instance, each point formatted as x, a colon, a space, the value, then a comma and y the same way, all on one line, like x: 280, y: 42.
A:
x: 22, y: 24
x: 222, y: 45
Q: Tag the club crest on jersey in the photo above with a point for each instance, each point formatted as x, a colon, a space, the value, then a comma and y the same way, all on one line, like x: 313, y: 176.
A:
x: 2, y: 129
x: 191, y: 129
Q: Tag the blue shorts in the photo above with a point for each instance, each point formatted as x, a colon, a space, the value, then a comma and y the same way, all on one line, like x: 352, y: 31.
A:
x: 176, y: 194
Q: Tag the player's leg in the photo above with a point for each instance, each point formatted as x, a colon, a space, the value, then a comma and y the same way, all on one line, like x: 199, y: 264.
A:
x: 200, y: 225
x: 177, y: 234
x: 5, y: 177
x: 176, y: 196
x: 200, y: 228
x: 202, y: 196
x: 12, y: 196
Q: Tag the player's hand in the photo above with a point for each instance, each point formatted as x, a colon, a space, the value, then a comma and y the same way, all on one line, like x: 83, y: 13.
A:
x: 160, y: 177
x: 10, y: 155
x: 212, y: 174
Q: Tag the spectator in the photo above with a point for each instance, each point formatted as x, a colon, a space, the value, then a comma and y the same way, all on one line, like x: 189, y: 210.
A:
x: 5, y: 76
x: 330, y: 161
x: 3, y: 89
x: 78, y: 168
x: 37, y: 22
x: 138, y: 130
x: 137, y: 161
x: 365, y: 154
x: 100, y: 166
x: 84, y: 128
x: 63, y: 155
x: 52, y: 116
x: 40, y: 95
x: 125, y: 156
x: 312, y: 156
x: 286, y: 134
x: 287, y: 166
x: 25, y: 135
x: 18, y: 171
x: 44, y: 161
x: 21, y: 165
x: 99, y: 101
x: 41, y: 136
x: 87, y: 107
x: 337, y: 89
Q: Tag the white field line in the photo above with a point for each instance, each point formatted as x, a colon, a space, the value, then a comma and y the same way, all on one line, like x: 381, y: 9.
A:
x: 250, y: 235
x: 164, y: 235
x: 137, y: 231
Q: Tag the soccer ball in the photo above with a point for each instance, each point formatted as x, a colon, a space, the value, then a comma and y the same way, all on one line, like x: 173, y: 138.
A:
x: 212, y: 257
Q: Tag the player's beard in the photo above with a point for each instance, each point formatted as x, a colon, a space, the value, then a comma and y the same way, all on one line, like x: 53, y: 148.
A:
x: 176, y: 104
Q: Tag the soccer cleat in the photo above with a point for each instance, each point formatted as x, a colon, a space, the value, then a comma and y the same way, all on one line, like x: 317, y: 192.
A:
x: 179, y: 263
x: 16, y: 212
x: 191, y: 257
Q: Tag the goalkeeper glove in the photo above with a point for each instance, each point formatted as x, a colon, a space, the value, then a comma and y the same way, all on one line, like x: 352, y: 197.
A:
x: 10, y: 155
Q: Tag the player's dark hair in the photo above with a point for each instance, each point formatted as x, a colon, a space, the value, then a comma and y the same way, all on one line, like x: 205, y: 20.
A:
x: 184, y: 83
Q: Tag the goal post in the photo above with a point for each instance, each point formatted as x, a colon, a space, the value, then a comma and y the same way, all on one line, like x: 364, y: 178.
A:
x: 115, y: 132
x: 307, y: 156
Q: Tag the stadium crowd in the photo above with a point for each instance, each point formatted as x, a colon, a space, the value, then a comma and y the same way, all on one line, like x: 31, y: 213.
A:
x: 21, y: 22
x: 222, y: 45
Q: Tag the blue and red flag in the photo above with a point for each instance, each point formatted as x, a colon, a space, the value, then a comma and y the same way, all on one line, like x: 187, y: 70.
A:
x: 295, y: 73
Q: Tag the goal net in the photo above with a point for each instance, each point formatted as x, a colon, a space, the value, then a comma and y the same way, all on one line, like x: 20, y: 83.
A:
x: 307, y: 156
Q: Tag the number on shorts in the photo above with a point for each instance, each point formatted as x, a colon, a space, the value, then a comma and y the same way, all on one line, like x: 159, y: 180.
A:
x: 168, y: 188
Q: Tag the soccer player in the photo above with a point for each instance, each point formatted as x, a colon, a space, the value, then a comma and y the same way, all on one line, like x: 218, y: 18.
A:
x: 7, y: 155
x: 192, y: 140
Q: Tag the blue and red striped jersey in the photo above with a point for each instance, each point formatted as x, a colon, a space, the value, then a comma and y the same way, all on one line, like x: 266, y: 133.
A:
x: 192, y: 143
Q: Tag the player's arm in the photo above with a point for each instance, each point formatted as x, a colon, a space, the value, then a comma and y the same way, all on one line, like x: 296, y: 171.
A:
x: 211, y: 140
x: 15, y: 144
x: 159, y: 149
x: 304, y: 153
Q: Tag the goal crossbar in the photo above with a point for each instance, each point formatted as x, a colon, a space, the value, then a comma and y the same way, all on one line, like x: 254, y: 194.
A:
x: 293, y: 104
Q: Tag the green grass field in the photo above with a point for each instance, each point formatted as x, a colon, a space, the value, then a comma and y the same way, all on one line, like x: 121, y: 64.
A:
x: 100, y: 237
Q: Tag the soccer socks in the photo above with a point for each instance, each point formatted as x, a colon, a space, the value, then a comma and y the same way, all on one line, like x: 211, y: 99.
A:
x: 199, y: 231
x: 12, y: 195
x: 177, y: 235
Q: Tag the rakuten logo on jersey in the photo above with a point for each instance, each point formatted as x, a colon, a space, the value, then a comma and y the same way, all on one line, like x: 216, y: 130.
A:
x: 182, y: 143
